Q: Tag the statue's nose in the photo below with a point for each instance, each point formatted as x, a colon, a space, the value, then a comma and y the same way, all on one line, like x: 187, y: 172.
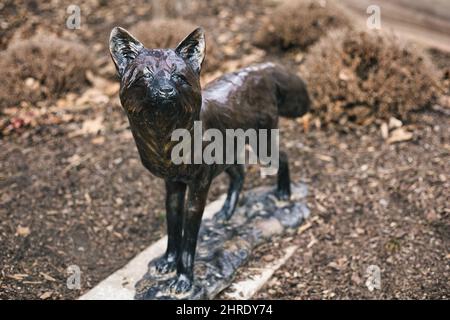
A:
x: 166, y: 91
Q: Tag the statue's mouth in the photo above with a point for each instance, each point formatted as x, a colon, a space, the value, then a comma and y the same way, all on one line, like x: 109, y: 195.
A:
x: 167, y: 102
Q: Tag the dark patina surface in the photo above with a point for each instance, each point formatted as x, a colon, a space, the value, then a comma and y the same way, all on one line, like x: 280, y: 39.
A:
x: 160, y: 92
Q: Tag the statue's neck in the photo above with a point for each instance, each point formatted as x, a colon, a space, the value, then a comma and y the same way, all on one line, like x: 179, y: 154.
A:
x: 158, y: 127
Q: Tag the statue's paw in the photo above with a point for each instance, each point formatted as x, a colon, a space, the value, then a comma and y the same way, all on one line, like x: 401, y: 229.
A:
x: 223, y: 215
x: 164, y: 265
x: 181, y: 284
x: 283, y: 195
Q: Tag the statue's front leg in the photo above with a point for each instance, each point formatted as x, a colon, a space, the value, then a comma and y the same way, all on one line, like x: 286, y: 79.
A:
x: 175, y: 193
x: 198, y: 192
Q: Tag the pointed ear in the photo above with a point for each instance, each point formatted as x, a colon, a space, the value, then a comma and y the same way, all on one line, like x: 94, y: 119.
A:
x: 192, y: 49
x: 123, y: 48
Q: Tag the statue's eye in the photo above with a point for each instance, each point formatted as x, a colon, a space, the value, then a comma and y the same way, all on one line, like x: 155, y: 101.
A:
x: 180, y: 77
x: 148, y: 73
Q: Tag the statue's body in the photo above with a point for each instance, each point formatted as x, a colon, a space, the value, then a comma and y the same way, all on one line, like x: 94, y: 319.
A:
x: 160, y: 92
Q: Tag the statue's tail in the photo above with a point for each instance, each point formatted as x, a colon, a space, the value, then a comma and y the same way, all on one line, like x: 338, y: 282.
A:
x: 292, y: 94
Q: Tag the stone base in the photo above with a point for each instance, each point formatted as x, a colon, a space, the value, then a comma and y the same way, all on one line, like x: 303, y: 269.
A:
x: 223, y: 247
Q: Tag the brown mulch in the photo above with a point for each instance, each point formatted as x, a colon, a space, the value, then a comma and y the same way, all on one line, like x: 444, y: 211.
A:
x: 373, y: 203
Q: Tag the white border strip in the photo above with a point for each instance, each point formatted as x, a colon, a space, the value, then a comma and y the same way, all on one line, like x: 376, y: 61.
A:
x: 244, y: 290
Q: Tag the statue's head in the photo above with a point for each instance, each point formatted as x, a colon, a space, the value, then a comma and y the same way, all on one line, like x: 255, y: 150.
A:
x: 159, y: 80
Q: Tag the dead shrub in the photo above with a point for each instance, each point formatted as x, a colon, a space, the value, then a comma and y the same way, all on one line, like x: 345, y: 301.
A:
x: 167, y: 33
x: 359, y: 76
x: 441, y: 59
x: 299, y: 24
x: 43, y: 67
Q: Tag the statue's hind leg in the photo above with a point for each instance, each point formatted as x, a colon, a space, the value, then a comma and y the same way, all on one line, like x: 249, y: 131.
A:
x: 283, y: 191
x: 284, y: 181
x: 237, y: 175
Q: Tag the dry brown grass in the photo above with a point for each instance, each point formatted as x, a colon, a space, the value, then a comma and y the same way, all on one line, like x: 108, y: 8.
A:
x: 299, y: 24
x: 44, y: 67
x: 167, y: 33
x: 360, y: 76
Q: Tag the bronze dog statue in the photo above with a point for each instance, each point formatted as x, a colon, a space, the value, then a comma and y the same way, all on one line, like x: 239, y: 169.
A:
x: 160, y: 92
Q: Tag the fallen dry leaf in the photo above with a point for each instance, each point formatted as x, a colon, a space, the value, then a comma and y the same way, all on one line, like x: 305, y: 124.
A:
x: 75, y: 161
x: 254, y: 57
x: 356, y: 279
x: 394, y: 123
x: 18, y: 276
x: 92, y: 96
x: 98, y: 140
x: 45, y: 295
x: 304, y: 227
x: 22, y: 231
x: 444, y: 101
x: 268, y: 257
x: 384, y: 130
x: 91, y: 126
x: 323, y: 157
x: 299, y: 57
x: 47, y: 277
x: 32, y: 83
x: 399, y: 135
x: 345, y: 74
x: 306, y: 121
x: 229, y: 50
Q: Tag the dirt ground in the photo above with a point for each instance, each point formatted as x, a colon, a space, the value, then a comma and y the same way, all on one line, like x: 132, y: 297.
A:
x: 73, y: 191
x: 374, y: 204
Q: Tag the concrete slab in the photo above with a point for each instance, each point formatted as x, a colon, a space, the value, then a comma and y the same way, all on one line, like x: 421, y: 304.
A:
x: 245, y: 289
